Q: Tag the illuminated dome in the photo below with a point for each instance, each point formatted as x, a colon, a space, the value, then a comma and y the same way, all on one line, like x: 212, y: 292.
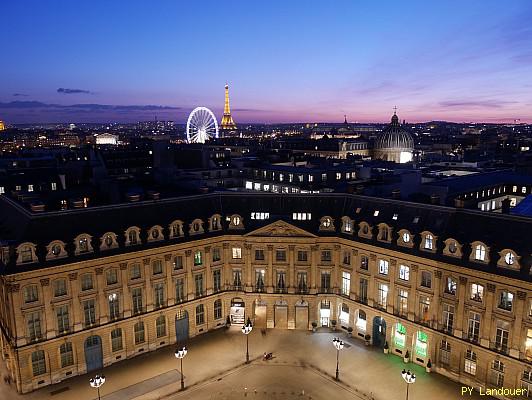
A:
x: 394, y: 143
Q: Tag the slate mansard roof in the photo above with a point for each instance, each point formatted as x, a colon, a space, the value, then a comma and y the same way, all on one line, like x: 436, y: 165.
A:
x: 497, y: 231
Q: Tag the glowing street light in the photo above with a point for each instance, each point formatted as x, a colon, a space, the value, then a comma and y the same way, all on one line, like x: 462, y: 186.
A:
x: 246, y: 330
x: 180, y: 354
x: 339, y: 345
x: 409, y: 378
x: 97, y: 382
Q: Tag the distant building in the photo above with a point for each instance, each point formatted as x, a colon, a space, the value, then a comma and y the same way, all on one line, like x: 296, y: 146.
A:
x: 227, y: 120
x: 394, y: 143
x: 2, y: 125
x: 107, y: 138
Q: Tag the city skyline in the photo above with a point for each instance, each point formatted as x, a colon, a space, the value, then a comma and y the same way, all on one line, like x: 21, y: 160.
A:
x: 99, y: 62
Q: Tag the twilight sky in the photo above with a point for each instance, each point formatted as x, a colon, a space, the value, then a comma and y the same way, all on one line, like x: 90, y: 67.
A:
x: 285, y: 61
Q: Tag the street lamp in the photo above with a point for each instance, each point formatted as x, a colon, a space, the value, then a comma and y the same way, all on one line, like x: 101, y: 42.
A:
x: 97, y: 382
x: 409, y: 378
x: 246, y: 330
x: 181, y: 353
x: 339, y: 345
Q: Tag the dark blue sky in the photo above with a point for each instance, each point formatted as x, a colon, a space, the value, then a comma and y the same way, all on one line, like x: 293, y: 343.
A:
x: 284, y: 61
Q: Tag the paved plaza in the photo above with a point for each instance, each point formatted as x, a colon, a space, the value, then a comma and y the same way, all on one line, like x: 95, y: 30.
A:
x: 303, y: 367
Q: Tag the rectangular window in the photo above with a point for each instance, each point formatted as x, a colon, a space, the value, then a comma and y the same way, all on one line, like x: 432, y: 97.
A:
x: 445, y: 352
x: 217, y: 280
x: 506, y: 300
x: 448, y: 318
x: 281, y: 281
x: 470, y: 364
x: 450, y: 286
x: 302, y: 256
x: 237, y: 253
x: 424, y: 309
x: 200, y: 314
x: 136, y: 295
x: 112, y: 277
x: 363, y: 291
x: 60, y: 288
x: 426, y: 279
x: 347, y: 257
x: 198, y: 284
x: 135, y: 272
x: 157, y: 267
x: 325, y: 282
x: 259, y: 254
x: 31, y: 294
x: 158, y: 292
x: 218, y: 309
x: 237, y: 279
x: 34, y: 325
x: 180, y: 290
x: 326, y: 256
x: 216, y: 254
x: 302, y: 282
x: 501, y: 336
x: 346, y: 283
x: 86, y: 282
x: 63, y: 323
x: 114, y: 306
x: 364, y: 262
x: 382, y: 295
x: 178, y: 262
x: 160, y: 326
x: 89, y: 310
x: 383, y: 267
x: 301, y: 216
x: 477, y: 292
x: 198, y: 258
x: 404, y: 272
x: 403, y: 302
x: 473, y: 329
x: 280, y: 255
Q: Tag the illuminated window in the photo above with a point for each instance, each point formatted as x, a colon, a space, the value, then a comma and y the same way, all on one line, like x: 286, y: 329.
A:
x: 404, y: 272
x: 421, y: 344
x: 480, y: 252
x: 400, y: 335
x: 237, y: 253
x: 383, y: 267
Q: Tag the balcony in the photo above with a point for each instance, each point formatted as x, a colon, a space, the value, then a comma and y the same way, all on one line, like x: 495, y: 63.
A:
x: 473, y: 338
x: 324, y: 290
x: 259, y: 289
x: 238, y: 288
x: 281, y: 290
x: 361, y: 299
x: 505, y: 305
x: 499, y: 347
x: 302, y: 290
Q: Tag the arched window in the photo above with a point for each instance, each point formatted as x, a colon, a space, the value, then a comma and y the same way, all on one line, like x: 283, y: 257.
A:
x: 509, y: 258
x: 218, y: 309
x: 429, y: 242
x: 133, y: 237
x: 116, y: 339
x: 38, y: 362
x: 160, y: 326
x: 139, y: 333
x: 67, y: 355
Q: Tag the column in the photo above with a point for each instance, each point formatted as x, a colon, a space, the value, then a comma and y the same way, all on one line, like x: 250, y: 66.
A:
x: 372, y: 288
x: 336, y: 275
x: 47, y: 312
x: 126, y: 295
x: 209, y: 281
x: 190, y: 286
x: 355, y: 276
x: 412, y: 293
x: 170, y: 288
x: 462, y: 293
x: 518, y: 335
x: 269, y: 280
x: 226, y: 267
x: 18, y: 325
x: 314, y: 278
x: 247, y: 273
x: 435, y: 304
x: 485, y: 324
x: 392, y: 273
x: 103, y: 309
x: 148, y: 284
x: 291, y: 273
x: 75, y: 308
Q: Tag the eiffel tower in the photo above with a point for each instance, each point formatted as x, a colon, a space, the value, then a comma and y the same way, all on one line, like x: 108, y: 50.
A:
x: 227, y: 121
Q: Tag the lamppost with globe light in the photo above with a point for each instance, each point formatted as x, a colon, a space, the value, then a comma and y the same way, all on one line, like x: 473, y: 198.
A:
x: 246, y: 330
x: 97, y: 382
x: 339, y: 345
x: 409, y: 378
x: 180, y: 354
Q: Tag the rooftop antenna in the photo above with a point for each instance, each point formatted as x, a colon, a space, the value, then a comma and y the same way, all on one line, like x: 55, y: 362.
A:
x: 394, y: 110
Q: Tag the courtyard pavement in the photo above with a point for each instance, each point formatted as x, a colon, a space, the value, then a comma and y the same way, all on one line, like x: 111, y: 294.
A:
x: 303, y: 367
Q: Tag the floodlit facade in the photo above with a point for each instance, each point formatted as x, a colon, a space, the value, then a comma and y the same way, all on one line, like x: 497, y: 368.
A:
x: 84, y: 289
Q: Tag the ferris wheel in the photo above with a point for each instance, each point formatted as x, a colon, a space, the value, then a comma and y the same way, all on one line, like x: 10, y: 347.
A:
x: 201, y: 125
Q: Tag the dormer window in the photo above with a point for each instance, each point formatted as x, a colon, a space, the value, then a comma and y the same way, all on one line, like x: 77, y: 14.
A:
x: 108, y: 241
x: 176, y: 229
x: 406, y: 237
x: 236, y: 222
x: 453, y: 247
x: 384, y: 232
x: 480, y: 252
x: 132, y: 236
x: 55, y: 249
x: 347, y: 225
x: 509, y: 258
x: 429, y: 242
x: 155, y: 234
x: 326, y: 224
x: 376, y: 213
x: 83, y: 245
x: 26, y: 254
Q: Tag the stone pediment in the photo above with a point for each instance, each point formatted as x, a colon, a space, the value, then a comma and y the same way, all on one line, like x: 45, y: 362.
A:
x: 280, y: 229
